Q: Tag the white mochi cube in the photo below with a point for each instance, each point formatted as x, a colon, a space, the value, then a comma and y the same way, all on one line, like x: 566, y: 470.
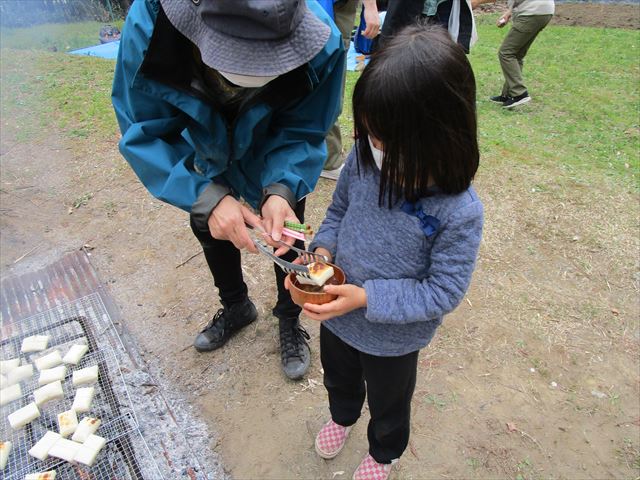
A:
x: 21, y: 417
x: 65, y: 449
x: 5, y: 450
x: 35, y: 343
x: 67, y: 423
x: 7, y: 365
x: 19, y: 374
x: 49, y: 360
x: 41, y: 449
x: 49, y: 392
x: 49, y: 475
x: 10, y: 394
x: 88, y: 426
x: 319, y: 273
x: 82, y: 400
x: 85, y: 375
x: 75, y: 354
x: 50, y: 375
x: 90, y: 449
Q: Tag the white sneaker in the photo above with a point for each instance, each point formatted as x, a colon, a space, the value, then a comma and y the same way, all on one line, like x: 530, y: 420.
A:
x: 332, y: 174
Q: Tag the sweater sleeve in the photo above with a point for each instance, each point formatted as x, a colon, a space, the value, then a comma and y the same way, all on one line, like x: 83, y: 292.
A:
x: 453, y: 258
x: 327, y: 236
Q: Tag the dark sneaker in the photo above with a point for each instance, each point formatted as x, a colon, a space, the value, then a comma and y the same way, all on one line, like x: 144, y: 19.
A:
x: 224, y: 323
x: 499, y: 99
x: 515, y: 101
x: 294, y: 350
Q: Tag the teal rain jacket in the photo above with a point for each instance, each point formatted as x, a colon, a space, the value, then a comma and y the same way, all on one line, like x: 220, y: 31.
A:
x: 179, y: 144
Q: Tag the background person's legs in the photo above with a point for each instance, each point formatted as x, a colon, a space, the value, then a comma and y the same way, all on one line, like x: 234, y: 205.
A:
x: 513, y: 49
x: 345, y: 14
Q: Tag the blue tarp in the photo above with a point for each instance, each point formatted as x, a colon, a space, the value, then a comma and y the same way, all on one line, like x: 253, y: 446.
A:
x: 352, y: 61
x: 105, y: 50
x: 110, y: 50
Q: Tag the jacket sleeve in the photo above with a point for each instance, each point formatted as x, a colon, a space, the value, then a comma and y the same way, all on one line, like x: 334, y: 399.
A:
x: 152, y: 141
x: 327, y: 236
x: 453, y: 258
x: 296, y: 152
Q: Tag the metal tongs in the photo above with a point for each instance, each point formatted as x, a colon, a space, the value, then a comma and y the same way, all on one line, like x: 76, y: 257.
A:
x: 288, y: 267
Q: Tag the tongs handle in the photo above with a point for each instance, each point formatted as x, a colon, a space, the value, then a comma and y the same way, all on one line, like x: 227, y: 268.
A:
x: 306, y: 256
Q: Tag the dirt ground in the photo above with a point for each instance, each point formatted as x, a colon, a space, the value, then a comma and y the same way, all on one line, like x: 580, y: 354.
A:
x: 535, y: 375
x: 586, y: 14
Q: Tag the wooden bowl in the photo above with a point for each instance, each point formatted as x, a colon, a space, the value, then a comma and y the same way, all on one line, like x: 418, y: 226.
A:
x: 300, y: 296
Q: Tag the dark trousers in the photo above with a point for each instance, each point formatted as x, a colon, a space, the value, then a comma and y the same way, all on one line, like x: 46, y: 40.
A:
x: 224, y: 262
x: 388, y: 382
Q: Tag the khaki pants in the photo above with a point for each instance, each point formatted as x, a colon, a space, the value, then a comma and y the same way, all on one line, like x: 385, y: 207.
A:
x: 523, y: 32
x: 345, y: 14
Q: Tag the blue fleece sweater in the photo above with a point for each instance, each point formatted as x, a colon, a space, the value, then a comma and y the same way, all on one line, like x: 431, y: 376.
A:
x: 411, y: 278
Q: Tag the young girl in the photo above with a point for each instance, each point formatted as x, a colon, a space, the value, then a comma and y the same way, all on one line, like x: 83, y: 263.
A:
x: 405, y: 225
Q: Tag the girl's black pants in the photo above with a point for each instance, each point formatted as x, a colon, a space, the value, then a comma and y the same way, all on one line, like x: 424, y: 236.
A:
x: 388, y: 383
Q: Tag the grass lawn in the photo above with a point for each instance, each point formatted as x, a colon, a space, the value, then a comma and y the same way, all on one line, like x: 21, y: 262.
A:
x: 583, y: 118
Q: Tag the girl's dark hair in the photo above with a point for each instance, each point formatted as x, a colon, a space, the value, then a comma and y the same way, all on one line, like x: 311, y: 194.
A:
x: 418, y: 97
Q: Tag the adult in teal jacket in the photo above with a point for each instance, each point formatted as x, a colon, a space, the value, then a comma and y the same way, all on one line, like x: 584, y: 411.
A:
x: 220, y: 101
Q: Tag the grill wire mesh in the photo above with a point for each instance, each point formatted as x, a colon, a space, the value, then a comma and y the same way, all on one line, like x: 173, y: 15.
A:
x: 126, y: 454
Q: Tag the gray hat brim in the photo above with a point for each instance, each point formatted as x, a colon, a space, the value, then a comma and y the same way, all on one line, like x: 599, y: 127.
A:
x: 249, y: 57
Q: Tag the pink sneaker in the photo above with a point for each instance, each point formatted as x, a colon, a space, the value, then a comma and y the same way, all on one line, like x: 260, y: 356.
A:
x: 369, y: 469
x: 331, y: 439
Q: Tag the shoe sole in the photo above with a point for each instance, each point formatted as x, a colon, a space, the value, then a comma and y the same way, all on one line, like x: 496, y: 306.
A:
x: 519, y: 102
x: 327, y: 456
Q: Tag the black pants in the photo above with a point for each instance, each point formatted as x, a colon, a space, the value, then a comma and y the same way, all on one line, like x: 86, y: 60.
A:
x: 224, y: 262
x: 390, y: 382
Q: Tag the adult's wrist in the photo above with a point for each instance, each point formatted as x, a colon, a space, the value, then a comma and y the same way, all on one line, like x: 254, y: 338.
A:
x: 281, y: 191
x: 206, y: 202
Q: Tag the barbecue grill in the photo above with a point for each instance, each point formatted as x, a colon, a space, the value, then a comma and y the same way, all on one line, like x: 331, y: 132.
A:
x: 126, y: 454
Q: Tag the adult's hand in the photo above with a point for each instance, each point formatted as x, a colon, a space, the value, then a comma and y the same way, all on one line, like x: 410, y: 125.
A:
x: 371, y: 18
x: 275, y: 211
x: 504, y: 19
x: 227, y: 222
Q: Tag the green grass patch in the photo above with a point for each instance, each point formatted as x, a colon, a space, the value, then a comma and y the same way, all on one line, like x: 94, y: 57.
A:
x: 53, y: 36
x: 583, y: 118
x: 69, y: 93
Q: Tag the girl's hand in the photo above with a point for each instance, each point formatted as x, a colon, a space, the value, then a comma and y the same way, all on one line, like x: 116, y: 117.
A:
x: 325, y: 252
x: 319, y: 250
x: 349, y: 298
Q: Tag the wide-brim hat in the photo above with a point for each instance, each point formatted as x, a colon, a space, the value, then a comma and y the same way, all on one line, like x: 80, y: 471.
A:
x: 250, y: 37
